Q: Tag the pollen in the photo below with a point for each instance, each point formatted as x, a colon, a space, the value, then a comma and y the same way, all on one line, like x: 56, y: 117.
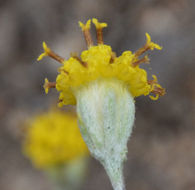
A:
x: 53, y: 138
x: 100, y: 62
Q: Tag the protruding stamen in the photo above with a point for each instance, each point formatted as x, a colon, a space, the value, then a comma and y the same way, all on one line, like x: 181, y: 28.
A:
x: 156, y: 88
x: 151, y: 44
x: 99, y: 26
x: 85, y: 28
x: 148, y: 46
x: 75, y: 56
x: 48, y: 85
x: 50, y: 53
x: 145, y: 59
x: 158, y: 91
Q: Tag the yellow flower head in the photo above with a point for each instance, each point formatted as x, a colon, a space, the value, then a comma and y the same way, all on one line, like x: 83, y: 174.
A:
x: 99, y: 62
x: 54, y: 138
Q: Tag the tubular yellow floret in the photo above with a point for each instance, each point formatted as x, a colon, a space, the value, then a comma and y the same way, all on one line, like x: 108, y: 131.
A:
x: 45, y: 53
x: 85, y: 26
x: 99, y: 25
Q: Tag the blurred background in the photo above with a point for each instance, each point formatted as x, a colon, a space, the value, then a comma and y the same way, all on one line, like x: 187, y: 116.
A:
x: 161, y: 150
